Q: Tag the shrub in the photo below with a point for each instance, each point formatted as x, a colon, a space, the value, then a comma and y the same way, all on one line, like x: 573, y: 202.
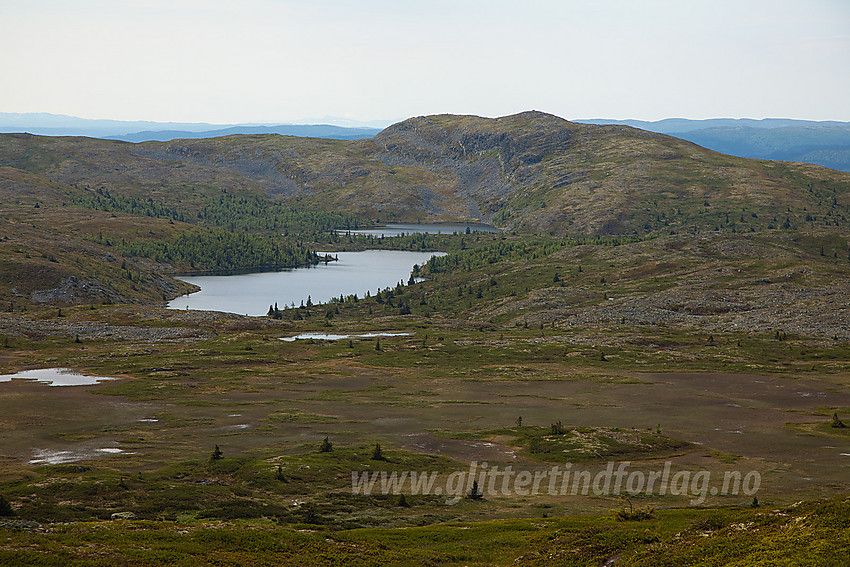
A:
x: 632, y: 514
x: 5, y: 507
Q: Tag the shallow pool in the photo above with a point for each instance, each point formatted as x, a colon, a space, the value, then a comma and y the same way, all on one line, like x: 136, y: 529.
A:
x: 55, y: 377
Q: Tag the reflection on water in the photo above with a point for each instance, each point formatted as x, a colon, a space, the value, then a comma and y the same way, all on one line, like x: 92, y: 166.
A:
x: 52, y: 457
x: 327, y: 337
x: 55, y: 377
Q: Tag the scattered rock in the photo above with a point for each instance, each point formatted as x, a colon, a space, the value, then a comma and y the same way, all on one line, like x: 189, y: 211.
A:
x: 20, y: 524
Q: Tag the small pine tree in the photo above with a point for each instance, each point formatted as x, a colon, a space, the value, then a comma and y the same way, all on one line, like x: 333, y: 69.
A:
x: 326, y: 446
x: 378, y: 345
x: 755, y: 503
x: 377, y: 454
x: 474, y: 493
x: 402, y: 501
x: 279, y: 474
x: 217, y: 455
x: 836, y: 422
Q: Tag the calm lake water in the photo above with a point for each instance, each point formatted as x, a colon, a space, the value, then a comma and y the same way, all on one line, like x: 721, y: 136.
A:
x: 251, y: 294
x: 437, y: 228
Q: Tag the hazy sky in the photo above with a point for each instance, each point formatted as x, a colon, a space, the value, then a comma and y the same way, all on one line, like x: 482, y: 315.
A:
x: 277, y: 60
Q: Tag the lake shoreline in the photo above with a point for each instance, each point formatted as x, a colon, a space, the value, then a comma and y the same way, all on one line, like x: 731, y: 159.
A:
x: 254, y: 293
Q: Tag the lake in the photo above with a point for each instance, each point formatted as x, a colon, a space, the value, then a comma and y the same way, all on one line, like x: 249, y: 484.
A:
x: 252, y: 294
x: 399, y: 229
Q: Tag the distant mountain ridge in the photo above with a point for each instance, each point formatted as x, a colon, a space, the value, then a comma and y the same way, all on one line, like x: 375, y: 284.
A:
x: 301, y: 130
x: 529, y: 171
x: 825, y: 143
x: 821, y: 143
x: 45, y: 124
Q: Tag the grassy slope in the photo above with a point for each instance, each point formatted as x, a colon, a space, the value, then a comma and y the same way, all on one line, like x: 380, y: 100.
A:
x: 814, y: 533
x: 45, y: 242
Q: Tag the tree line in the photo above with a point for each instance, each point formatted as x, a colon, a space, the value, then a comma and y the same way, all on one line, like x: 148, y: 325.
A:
x: 244, y: 212
x: 505, y: 250
x: 216, y: 249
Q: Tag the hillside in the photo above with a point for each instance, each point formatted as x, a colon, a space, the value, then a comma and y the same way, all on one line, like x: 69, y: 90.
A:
x: 118, y: 216
x: 529, y: 171
x: 539, y: 172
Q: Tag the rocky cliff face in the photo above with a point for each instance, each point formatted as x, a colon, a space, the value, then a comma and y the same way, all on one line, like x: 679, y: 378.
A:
x: 487, y: 159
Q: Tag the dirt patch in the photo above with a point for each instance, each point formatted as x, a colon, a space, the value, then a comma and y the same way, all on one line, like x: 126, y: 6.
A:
x: 461, y: 450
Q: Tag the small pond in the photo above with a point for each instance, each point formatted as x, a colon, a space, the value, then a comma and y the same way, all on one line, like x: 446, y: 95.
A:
x: 55, y: 377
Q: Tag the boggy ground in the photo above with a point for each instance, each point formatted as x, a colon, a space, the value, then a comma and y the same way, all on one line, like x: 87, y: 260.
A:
x: 448, y: 391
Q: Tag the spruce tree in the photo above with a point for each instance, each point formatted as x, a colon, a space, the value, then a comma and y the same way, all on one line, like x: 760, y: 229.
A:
x: 377, y: 454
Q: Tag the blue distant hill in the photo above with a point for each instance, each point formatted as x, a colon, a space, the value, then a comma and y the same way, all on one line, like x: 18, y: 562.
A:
x: 303, y: 130
x: 44, y: 124
x: 819, y: 143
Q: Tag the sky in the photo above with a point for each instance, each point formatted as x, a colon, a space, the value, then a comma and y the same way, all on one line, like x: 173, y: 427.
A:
x: 229, y: 61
